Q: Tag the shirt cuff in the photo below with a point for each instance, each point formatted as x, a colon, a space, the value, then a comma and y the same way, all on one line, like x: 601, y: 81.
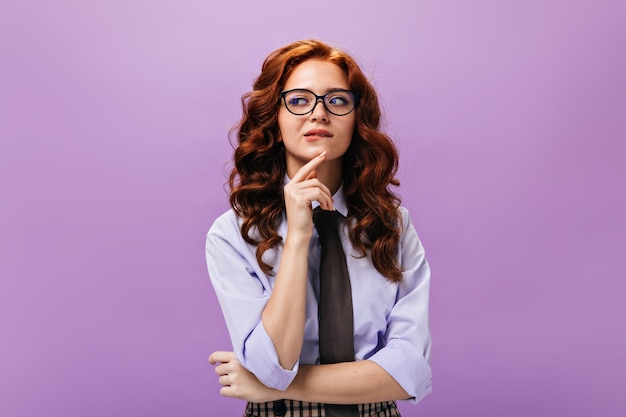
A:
x: 260, y: 358
x: 408, y: 367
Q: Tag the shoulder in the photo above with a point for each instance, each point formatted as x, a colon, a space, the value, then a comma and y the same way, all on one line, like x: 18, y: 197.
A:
x: 228, y: 226
x: 405, y: 220
x: 407, y: 228
x: 227, y: 250
x: 405, y: 215
x: 226, y: 223
x: 225, y: 229
x: 410, y: 244
x: 224, y: 240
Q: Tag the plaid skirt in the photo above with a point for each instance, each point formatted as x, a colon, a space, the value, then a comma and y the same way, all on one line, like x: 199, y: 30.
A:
x: 291, y: 408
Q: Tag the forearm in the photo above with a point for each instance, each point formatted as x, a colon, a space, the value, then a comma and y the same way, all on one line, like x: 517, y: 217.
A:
x: 284, y: 315
x: 344, y: 383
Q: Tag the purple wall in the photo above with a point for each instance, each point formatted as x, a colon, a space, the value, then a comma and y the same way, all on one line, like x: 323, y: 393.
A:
x: 113, y: 125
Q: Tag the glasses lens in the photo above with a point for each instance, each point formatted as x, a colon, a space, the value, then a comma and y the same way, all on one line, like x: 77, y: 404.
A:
x: 339, y: 102
x: 299, y: 101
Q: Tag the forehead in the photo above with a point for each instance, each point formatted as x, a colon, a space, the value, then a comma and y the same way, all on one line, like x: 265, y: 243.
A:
x: 318, y: 76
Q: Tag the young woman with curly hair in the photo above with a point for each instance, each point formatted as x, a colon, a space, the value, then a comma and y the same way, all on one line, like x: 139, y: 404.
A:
x: 309, y: 137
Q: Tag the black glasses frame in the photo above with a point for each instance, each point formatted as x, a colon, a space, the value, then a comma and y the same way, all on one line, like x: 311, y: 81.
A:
x: 283, y: 95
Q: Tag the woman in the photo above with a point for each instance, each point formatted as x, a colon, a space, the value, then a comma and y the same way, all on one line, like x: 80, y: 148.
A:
x: 309, y: 138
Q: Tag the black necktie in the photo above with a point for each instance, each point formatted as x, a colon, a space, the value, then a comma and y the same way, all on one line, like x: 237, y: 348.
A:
x: 336, y: 322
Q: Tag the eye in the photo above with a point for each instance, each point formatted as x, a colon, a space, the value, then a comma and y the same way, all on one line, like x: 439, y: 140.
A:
x: 297, y: 100
x: 339, y: 99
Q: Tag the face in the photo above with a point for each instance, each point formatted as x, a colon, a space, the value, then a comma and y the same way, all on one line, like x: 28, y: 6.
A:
x: 307, y: 136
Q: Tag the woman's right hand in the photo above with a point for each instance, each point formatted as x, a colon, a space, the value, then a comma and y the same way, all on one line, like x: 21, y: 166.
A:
x: 238, y: 382
x: 300, y: 192
x: 285, y: 313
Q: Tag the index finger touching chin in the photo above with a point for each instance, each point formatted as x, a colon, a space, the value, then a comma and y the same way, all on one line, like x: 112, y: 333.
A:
x: 306, y: 170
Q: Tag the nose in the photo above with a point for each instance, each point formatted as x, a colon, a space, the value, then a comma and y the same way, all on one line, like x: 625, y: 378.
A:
x: 319, y: 112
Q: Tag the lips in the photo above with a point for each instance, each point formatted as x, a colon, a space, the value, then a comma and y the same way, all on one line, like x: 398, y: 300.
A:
x: 319, y: 133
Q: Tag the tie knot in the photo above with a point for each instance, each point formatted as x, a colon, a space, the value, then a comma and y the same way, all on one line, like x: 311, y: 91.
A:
x: 325, y: 219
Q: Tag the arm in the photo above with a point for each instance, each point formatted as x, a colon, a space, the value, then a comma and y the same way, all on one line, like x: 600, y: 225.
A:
x: 340, y: 383
x: 345, y: 383
x: 406, y: 354
x: 285, y: 313
x: 265, y: 316
x: 399, y: 370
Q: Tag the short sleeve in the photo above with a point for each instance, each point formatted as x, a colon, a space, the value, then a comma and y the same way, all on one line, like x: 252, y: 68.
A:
x: 406, y: 354
x: 243, y: 290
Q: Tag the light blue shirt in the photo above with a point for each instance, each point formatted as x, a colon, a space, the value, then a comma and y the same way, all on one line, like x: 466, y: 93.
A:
x: 391, y: 324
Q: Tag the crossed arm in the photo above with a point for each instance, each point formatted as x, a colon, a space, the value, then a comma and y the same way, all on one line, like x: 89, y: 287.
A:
x: 340, y: 383
x: 283, y: 316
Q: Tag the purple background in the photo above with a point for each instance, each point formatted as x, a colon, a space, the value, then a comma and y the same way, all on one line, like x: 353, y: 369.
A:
x: 510, y: 119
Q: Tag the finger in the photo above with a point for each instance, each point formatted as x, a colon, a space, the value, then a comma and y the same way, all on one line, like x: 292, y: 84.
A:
x: 221, y: 356
x: 312, y: 174
x: 306, y: 169
x: 223, y: 369
x: 324, y: 199
x: 225, y: 380
x: 312, y: 184
x: 313, y: 190
x: 304, y: 197
x: 227, y: 391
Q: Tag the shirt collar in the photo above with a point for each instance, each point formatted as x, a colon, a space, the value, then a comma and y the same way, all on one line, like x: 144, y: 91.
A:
x: 340, y: 201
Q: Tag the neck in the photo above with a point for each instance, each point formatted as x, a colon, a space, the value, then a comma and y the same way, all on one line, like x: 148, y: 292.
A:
x: 330, y: 174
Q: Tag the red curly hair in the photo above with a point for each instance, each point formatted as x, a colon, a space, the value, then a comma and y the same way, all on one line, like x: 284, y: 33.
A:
x: 369, y: 164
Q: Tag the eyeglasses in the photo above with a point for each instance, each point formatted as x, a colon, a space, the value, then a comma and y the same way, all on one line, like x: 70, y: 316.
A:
x: 338, y: 101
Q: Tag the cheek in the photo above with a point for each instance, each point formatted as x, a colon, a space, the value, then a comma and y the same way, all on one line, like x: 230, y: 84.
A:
x: 282, y: 127
x: 289, y: 126
x: 350, y: 125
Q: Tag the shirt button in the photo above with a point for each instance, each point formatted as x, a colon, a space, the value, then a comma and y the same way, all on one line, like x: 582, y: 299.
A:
x: 280, y: 409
